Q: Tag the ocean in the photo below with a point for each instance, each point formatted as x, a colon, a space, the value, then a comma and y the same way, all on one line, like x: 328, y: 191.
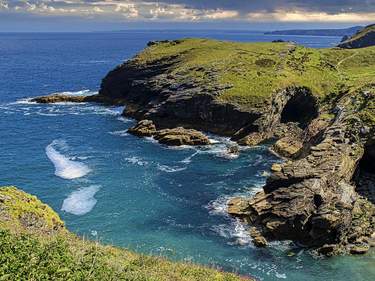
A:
x: 116, y: 188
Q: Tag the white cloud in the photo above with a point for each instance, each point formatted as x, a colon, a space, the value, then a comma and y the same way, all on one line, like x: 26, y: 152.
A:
x: 307, y: 16
x: 221, y: 14
x: 126, y: 9
x: 4, y: 5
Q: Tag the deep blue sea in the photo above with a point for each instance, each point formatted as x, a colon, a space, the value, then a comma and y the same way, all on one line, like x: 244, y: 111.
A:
x: 119, y: 189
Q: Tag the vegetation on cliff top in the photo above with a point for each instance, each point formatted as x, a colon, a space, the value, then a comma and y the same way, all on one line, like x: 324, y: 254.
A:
x: 251, y: 72
x: 34, y: 245
x: 363, y: 38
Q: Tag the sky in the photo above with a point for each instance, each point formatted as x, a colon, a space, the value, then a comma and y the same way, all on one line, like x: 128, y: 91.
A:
x: 98, y: 15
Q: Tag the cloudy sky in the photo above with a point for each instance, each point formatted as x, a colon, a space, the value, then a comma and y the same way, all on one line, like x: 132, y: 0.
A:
x: 29, y: 15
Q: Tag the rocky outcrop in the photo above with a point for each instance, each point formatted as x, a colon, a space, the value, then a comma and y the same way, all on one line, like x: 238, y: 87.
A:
x: 181, y: 136
x: 288, y: 147
x: 310, y: 198
x: 364, y: 38
x: 307, y: 100
x: 313, y: 200
x: 173, y: 137
x: 172, y: 100
x: 144, y: 128
x: 75, y: 99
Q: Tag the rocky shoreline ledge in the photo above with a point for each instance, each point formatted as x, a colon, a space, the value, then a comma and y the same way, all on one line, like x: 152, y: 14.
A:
x: 318, y: 106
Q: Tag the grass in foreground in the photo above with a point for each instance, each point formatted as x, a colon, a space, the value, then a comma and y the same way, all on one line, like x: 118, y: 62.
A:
x: 35, y: 245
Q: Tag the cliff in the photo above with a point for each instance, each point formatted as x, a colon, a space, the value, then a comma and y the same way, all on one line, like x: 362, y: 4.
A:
x: 363, y: 38
x: 318, y: 32
x: 318, y: 105
x: 35, y: 245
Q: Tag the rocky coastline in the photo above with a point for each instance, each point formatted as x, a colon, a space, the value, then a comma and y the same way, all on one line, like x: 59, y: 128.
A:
x: 322, y: 195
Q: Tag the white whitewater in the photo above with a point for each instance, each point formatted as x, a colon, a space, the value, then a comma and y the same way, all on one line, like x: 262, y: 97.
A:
x: 82, y: 201
x: 64, y: 167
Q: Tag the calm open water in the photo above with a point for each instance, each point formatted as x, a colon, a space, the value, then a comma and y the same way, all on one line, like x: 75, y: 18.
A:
x: 132, y: 192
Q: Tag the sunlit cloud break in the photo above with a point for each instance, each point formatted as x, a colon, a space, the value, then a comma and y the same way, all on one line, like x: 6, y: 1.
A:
x: 205, y: 10
x: 130, y: 10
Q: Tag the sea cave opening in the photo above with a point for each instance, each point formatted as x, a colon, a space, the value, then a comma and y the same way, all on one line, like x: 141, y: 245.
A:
x: 301, y: 108
x: 365, y: 174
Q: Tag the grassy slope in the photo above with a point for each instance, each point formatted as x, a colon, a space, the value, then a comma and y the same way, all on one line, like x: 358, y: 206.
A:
x: 256, y: 70
x: 363, y: 32
x: 34, y: 245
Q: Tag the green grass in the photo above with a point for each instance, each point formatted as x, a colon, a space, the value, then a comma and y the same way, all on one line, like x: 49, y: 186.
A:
x: 53, y: 253
x: 257, y: 70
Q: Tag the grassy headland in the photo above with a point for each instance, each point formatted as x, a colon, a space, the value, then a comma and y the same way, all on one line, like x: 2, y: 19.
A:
x: 252, y: 72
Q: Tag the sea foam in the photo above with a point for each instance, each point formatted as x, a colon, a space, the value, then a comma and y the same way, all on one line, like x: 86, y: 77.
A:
x: 76, y: 93
x: 64, y: 167
x: 169, y: 169
x: 82, y: 201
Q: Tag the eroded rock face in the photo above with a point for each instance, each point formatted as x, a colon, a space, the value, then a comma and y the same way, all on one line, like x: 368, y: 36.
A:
x: 173, y: 100
x: 313, y: 199
x: 173, y: 137
x: 288, y: 147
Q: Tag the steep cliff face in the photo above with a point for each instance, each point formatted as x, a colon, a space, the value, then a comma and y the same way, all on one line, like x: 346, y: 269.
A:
x: 227, y: 87
x: 151, y: 91
x: 363, y: 38
x: 325, y: 199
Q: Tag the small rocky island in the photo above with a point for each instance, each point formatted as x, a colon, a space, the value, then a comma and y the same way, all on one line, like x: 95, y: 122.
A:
x: 318, y: 105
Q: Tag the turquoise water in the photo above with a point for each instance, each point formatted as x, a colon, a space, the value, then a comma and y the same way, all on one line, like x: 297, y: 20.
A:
x: 131, y: 192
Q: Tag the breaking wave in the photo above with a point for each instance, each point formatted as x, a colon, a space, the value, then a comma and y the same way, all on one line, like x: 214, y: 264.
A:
x: 76, y: 93
x: 236, y: 232
x: 169, y: 169
x: 136, y: 161
x: 64, y: 167
x: 82, y: 201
